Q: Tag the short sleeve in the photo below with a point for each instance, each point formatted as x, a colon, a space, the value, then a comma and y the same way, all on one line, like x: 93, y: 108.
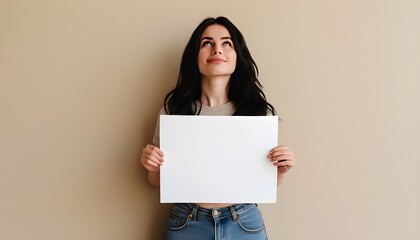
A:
x: 156, y: 136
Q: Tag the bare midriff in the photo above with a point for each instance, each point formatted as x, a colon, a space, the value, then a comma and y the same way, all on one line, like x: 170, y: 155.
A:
x: 214, y: 205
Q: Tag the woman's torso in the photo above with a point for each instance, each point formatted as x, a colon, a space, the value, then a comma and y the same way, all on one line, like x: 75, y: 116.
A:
x: 227, y: 109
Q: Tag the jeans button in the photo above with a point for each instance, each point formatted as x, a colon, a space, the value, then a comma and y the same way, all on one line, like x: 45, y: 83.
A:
x: 216, y: 212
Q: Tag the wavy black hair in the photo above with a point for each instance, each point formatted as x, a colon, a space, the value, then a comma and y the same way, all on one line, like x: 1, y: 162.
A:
x: 245, y: 91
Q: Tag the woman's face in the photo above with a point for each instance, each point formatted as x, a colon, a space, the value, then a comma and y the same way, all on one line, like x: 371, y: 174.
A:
x: 217, y: 55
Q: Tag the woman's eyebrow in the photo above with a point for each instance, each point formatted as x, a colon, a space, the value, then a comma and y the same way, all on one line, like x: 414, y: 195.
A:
x: 210, y: 38
x: 206, y: 38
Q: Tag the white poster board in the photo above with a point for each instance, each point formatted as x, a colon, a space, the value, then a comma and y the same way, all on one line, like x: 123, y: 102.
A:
x: 218, y: 159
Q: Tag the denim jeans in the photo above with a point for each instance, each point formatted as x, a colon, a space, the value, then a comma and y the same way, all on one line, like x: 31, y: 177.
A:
x: 188, y: 221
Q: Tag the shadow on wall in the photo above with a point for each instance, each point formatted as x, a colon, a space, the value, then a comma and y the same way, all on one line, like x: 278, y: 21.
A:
x: 156, y: 215
x: 158, y: 77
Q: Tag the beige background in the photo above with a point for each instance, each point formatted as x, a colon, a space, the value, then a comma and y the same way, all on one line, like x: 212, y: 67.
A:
x: 81, y: 83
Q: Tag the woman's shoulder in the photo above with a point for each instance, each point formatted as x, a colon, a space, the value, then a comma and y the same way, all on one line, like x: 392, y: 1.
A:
x: 162, y: 111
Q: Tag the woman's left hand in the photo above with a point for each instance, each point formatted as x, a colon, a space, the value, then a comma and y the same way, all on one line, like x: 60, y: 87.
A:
x: 283, y: 157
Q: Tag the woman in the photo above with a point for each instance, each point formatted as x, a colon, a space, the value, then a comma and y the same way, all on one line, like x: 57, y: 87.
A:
x: 217, y: 77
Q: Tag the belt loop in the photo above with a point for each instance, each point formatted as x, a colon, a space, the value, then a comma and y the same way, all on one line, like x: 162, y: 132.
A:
x: 233, y: 212
x: 194, y: 212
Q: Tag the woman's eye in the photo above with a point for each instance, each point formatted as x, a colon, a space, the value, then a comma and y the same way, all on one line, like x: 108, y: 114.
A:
x: 227, y: 43
x: 206, y: 43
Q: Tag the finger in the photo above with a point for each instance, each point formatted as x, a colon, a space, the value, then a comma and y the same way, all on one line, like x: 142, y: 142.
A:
x: 151, y: 163
x: 151, y: 166
x: 279, y: 150
x: 153, y: 148
x: 289, y: 155
x: 284, y: 163
x: 155, y: 159
x: 153, y: 153
x: 283, y: 157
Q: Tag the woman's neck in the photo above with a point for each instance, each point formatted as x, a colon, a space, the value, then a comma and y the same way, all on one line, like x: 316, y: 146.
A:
x: 214, y: 90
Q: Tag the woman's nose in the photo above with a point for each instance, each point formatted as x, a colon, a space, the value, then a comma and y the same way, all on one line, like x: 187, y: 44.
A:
x: 216, y: 49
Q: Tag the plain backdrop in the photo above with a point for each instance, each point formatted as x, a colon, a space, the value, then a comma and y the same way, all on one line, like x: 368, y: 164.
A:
x: 81, y: 84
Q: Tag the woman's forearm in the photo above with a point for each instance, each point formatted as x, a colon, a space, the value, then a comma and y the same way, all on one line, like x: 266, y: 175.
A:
x: 154, y: 179
x: 280, y: 178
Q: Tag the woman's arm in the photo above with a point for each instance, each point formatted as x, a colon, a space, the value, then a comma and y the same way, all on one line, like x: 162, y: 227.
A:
x: 283, y: 157
x: 154, y: 178
x: 152, y: 159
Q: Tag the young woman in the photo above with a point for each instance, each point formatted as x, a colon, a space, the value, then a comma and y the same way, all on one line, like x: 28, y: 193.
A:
x: 217, y: 77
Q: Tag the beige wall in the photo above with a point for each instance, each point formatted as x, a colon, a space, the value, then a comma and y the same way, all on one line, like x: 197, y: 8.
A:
x: 81, y: 83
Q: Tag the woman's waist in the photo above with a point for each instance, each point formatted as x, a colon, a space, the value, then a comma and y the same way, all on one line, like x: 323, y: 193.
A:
x: 214, y: 205
x: 231, y: 209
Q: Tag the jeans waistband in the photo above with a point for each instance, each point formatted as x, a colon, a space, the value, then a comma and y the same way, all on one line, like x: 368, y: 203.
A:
x: 232, y: 210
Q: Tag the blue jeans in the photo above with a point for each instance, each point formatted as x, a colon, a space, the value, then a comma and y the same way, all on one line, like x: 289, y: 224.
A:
x: 188, y: 221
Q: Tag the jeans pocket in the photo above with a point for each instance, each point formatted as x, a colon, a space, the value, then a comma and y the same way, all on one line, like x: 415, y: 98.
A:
x: 251, y: 220
x: 178, y: 219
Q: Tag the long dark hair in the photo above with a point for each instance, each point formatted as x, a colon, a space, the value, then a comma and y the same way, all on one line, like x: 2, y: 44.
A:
x: 245, y: 91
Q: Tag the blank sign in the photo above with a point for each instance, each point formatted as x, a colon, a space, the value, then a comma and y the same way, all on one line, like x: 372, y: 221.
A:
x: 218, y: 159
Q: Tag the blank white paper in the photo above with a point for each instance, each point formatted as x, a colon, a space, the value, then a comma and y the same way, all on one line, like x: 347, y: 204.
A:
x: 218, y: 159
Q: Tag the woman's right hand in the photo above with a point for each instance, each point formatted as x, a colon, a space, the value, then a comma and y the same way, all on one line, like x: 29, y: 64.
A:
x: 152, y: 158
